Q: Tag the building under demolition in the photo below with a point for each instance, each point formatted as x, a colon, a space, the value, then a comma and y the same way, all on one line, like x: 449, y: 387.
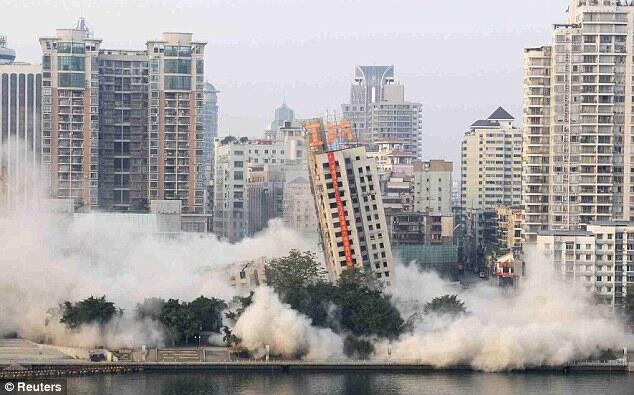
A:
x: 348, y: 201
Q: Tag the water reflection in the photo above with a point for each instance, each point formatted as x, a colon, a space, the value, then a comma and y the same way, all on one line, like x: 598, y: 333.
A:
x: 247, y: 383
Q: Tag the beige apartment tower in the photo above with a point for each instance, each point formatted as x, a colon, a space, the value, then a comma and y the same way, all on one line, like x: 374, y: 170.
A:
x: 123, y: 127
x: 491, y: 172
x: 176, y: 134
x: 578, y: 120
x: 70, y: 114
x: 349, y: 207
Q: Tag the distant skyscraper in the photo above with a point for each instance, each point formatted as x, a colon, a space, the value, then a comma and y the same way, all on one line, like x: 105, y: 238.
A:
x: 282, y: 114
x: 578, y: 120
x: 350, y: 212
x: 491, y: 172
x: 20, y: 130
x: 378, y: 110
x: 7, y: 55
x: 299, y: 205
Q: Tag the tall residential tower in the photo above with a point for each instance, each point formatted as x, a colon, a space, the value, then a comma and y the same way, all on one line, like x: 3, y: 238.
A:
x: 492, y: 163
x: 70, y: 114
x: 578, y: 120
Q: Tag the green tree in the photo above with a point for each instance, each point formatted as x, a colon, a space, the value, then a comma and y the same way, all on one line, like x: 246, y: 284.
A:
x: 88, y: 311
x: 171, y: 317
x: 364, y: 309
x: 296, y: 271
x: 445, y: 305
x: 239, y: 305
x: 208, y: 312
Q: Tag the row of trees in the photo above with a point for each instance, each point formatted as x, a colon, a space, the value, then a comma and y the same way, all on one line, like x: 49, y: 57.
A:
x: 355, y: 306
x: 182, y: 321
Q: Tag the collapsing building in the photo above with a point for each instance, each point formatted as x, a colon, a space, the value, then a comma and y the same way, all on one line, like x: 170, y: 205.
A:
x: 348, y: 201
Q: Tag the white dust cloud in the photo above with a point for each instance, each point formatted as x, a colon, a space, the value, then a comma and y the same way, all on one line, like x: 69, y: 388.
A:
x: 267, y: 321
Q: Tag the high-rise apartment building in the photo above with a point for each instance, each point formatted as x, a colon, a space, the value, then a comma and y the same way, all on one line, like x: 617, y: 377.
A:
x: 491, y: 172
x: 378, y: 110
x: 349, y: 207
x: 176, y: 133
x: 123, y: 127
x: 70, y: 114
x: 510, y: 229
x: 299, y: 205
x: 20, y: 131
x: 210, y: 126
x: 235, y: 159
x: 432, y: 186
x: 265, y: 195
x: 578, y: 120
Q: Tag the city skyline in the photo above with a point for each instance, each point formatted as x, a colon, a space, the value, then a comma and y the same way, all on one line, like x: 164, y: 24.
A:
x: 250, y: 94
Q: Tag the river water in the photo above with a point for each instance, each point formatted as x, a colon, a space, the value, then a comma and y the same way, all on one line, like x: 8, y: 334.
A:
x: 433, y: 383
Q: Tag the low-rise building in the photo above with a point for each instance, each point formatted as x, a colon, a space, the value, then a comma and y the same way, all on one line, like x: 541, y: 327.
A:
x: 247, y: 276
x: 480, y: 238
x: 600, y: 256
x: 420, y: 228
x: 433, y: 186
x: 510, y: 229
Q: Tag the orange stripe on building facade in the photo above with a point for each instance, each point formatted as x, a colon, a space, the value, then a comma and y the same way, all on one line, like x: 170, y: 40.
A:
x: 340, y: 210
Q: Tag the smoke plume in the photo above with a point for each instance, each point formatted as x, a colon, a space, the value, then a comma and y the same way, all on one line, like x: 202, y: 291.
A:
x: 546, y: 322
x: 288, y: 333
x: 47, y: 260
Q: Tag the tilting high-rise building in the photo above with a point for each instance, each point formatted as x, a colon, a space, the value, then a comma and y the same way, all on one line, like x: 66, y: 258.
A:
x: 378, y: 110
x: 349, y: 206
x: 578, y: 120
x: 123, y: 128
x: 20, y: 130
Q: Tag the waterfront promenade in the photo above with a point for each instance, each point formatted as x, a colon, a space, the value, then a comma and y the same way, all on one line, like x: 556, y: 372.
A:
x: 24, y: 359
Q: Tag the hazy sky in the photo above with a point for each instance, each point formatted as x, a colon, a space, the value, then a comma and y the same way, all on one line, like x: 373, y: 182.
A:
x: 460, y: 58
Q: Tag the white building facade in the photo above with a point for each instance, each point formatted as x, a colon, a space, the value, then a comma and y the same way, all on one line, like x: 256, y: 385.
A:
x: 349, y: 209
x: 578, y: 120
x: 601, y: 257
x: 433, y: 182
x: 491, y: 172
